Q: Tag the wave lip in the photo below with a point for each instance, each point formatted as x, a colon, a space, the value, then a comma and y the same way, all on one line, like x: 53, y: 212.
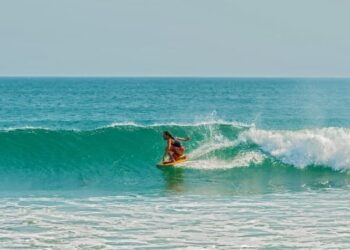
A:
x: 181, y: 124
x: 210, y: 123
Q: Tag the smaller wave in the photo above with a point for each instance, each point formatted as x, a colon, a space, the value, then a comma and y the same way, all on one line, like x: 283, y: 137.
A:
x: 184, y: 124
x: 9, y: 129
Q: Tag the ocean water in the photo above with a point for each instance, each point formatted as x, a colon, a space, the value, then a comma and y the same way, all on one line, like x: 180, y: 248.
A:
x: 269, y: 163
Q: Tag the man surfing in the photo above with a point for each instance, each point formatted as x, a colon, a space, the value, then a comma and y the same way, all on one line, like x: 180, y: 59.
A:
x: 174, y: 150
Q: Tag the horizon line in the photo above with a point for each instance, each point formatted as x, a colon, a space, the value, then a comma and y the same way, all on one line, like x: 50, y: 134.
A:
x: 166, y: 76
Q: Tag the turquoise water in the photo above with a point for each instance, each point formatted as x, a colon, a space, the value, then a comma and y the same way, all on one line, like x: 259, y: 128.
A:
x: 269, y: 163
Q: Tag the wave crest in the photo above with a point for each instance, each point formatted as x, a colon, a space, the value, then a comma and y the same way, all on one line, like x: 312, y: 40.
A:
x: 323, y: 146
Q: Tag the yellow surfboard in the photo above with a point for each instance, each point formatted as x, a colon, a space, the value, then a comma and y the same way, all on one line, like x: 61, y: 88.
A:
x: 174, y: 163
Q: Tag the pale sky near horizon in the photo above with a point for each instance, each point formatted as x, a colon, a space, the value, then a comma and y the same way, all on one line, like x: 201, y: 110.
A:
x: 175, y: 38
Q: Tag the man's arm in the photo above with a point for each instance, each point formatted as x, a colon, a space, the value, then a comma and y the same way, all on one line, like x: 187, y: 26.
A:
x: 167, y: 149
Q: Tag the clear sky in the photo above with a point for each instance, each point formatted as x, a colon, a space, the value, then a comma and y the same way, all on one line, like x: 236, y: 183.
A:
x: 175, y: 37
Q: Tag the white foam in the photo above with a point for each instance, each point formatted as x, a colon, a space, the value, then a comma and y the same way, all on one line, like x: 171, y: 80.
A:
x: 242, y: 160
x: 9, y: 129
x: 120, y: 124
x: 323, y: 146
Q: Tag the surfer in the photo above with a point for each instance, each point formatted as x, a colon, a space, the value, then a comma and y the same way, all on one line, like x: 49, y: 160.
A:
x: 174, y: 149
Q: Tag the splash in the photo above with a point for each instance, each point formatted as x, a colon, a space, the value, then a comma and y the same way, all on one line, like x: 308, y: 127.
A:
x: 242, y: 160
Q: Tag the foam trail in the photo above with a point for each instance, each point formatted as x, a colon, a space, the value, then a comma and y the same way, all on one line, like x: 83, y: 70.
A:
x: 242, y: 160
x: 324, y: 146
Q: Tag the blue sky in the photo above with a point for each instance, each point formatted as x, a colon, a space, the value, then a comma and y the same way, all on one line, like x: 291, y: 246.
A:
x: 175, y: 38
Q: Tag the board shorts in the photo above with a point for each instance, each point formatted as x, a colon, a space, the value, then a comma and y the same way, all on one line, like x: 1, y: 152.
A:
x: 177, y: 152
